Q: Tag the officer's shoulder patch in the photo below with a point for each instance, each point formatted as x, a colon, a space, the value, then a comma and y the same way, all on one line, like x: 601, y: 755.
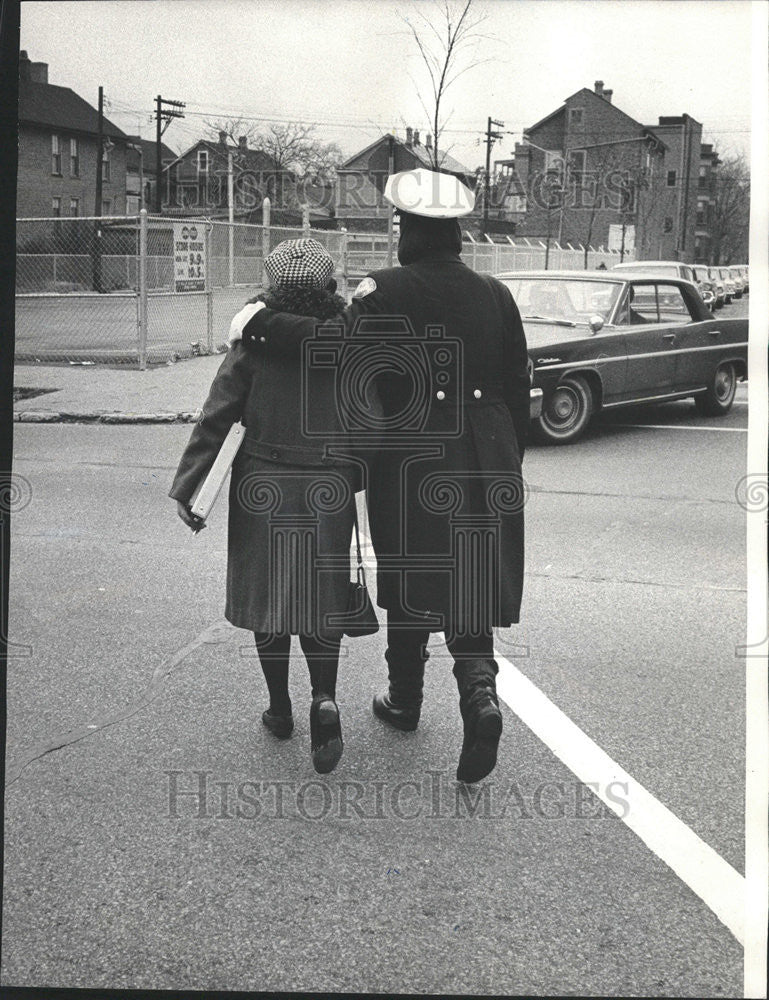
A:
x: 366, y: 287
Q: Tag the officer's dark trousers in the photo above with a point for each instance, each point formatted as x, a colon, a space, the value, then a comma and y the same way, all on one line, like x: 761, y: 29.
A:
x: 407, y: 652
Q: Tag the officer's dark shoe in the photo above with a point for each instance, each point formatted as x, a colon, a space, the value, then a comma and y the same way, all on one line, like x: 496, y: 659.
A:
x: 279, y: 725
x: 405, y: 718
x: 325, y: 734
x: 479, y: 706
x: 483, y: 729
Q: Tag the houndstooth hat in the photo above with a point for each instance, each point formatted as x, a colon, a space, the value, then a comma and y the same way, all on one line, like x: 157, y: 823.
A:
x: 299, y: 264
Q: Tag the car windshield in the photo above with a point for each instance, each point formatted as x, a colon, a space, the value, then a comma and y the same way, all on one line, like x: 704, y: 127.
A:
x: 563, y: 300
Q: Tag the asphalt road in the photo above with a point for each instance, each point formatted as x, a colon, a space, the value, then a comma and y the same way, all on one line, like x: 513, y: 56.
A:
x: 634, y: 607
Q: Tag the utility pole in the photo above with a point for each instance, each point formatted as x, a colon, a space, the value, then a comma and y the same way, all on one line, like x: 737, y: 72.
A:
x: 489, y: 140
x: 163, y: 115
x: 390, y: 211
x: 96, y: 237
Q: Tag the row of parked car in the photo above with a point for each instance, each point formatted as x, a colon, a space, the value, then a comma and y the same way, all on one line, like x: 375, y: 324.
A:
x: 718, y: 285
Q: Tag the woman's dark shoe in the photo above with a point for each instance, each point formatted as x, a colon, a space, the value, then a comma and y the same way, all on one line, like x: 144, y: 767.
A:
x: 325, y: 734
x: 405, y: 718
x: 279, y: 725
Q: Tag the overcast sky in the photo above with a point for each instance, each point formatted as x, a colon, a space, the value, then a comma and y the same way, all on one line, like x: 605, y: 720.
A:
x: 351, y: 67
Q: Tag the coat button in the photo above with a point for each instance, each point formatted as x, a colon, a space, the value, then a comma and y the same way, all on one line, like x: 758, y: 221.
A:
x: 262, y: 340
x: 274, y: 453
x: 440, y: 394
x: 477, y: 393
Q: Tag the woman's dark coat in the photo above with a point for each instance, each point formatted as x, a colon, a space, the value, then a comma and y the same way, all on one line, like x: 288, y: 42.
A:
x: 291, y: 501
x: 445, y: 492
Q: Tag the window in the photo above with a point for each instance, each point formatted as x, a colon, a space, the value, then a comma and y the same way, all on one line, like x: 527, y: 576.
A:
x: 575, y: 116
x: 671, y: 178
x: 202, y: 161
x: 132, y: 204
x: 105, y: 167
x: 56, y: 207
x: 577, y: 161
x: 106, y: 206
x: 653, y: 304
x: 74, y: 159
x: 667, y: 226
x: 56, y: 155
x: 74, y: 206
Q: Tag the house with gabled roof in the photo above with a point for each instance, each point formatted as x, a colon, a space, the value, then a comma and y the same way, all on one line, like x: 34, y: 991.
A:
x: 361, y: 179
x: 58, y: 138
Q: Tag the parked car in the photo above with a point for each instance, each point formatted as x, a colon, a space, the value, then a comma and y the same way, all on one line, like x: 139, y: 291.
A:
x: 705, y: 286
x: 718, y: 286
x: 729, y: 289
x: 737, y: 278
x: 744, y: 269
x: 603, y: 339
x: 673, y: 268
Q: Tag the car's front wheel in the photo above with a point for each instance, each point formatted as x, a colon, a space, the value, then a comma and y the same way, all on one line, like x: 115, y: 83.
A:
x: 718, y: 398
x: 566, y: 412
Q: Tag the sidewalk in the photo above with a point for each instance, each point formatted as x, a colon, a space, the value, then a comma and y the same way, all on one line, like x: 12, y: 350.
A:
x: 165, y: 394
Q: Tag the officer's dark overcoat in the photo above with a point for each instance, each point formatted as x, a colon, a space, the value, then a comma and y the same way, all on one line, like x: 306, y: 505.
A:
x: 445, y: 490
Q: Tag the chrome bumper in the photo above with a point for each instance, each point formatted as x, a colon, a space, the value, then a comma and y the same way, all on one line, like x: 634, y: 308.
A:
x: 535, y: 403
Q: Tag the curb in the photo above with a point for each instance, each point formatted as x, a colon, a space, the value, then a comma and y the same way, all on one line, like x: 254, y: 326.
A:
x: 49, y: 417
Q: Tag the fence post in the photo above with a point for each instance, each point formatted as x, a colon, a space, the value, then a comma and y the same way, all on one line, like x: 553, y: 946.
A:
x: 265, y: 233
x: 343, y: 261
x: 209, y: 288
x: 306, y: 221
x: 230, y: 252
x: 143, y: 289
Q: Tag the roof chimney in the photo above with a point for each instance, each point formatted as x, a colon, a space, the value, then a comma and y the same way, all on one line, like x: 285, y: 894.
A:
x: 599, y: 87
x: 409, y: 136
x: 243, y: 143
x: 428, y: 141
x: 222, y: 137
x: 38, y: 72
x: 416, y: 136
x: 607, y: 95
x: 24, y: 66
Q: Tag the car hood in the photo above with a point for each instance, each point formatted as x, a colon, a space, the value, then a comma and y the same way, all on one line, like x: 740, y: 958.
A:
x: 539, y: 334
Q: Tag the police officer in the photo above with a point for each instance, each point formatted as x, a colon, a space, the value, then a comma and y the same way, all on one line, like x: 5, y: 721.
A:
x: 445, y: 492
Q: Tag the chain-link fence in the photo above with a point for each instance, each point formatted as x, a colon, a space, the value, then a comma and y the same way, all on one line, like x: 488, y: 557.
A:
x: 151, y: 289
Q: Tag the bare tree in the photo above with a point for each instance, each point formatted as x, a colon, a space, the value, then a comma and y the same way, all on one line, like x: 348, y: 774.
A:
x: 292, y: 146
x: 447, y: 39
x: 730, y: 212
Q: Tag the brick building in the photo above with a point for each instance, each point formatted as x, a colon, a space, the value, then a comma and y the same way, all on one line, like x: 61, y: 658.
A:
x: 682, y: 136
x: 706, y: 193
x: 591, y: 175
x: 58, y: 134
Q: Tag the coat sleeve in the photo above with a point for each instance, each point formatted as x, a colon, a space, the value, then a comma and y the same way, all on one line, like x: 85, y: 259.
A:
x: 223, y: 407
x: 517, y: 382
x: 283, y: 334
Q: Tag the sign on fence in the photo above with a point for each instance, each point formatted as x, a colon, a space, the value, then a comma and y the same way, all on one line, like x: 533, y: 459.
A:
x: 189, y: 258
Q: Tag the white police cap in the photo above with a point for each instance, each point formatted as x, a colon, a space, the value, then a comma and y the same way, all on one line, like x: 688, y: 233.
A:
x: 429, y: 194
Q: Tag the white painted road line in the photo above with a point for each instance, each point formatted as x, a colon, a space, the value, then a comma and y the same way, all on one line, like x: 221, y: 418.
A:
x: 718, y: 885
x: 685, y: 427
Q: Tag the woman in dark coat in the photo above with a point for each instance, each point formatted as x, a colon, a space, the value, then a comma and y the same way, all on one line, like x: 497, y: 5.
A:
x: 291, y: 502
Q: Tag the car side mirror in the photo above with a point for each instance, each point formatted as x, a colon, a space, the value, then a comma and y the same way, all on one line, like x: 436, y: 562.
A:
x: 595, y: 323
